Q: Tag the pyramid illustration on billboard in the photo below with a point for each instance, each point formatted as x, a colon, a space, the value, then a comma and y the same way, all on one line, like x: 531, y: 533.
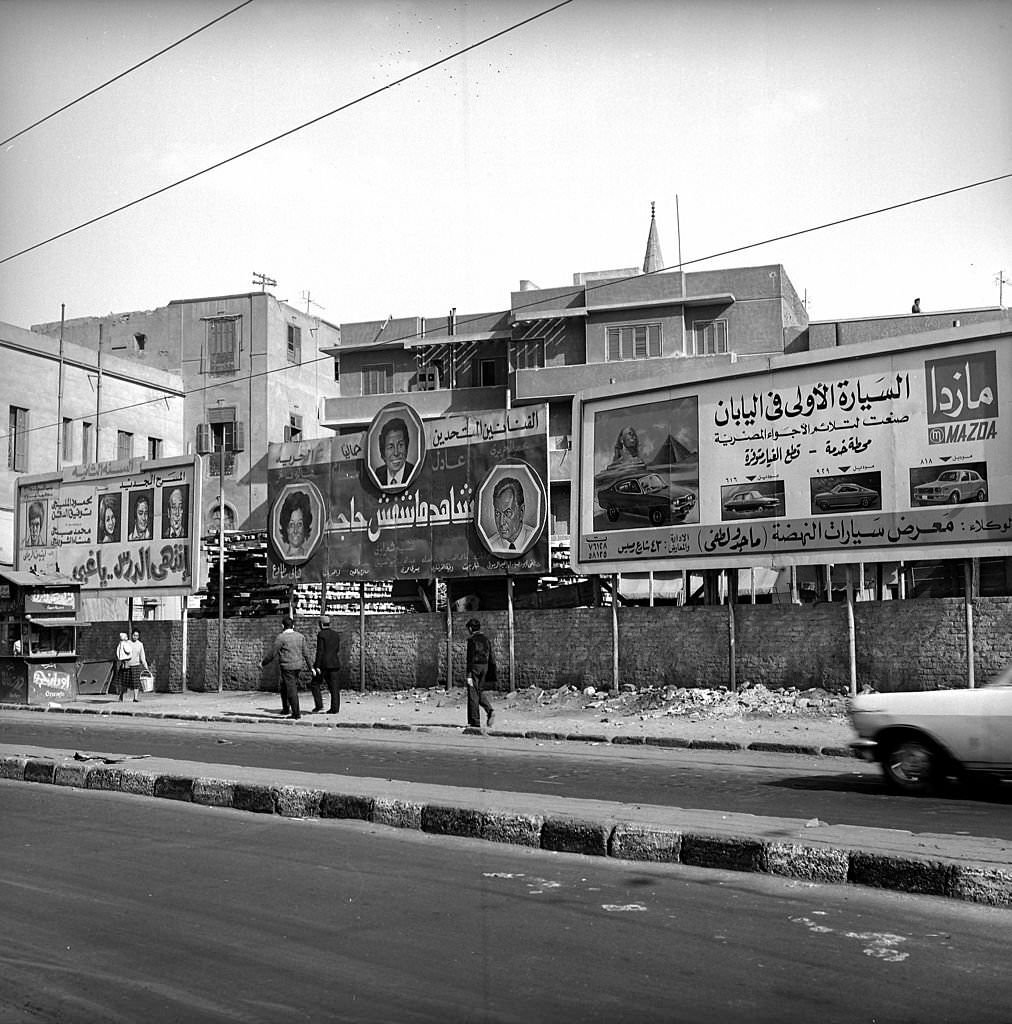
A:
x: 672, y: 453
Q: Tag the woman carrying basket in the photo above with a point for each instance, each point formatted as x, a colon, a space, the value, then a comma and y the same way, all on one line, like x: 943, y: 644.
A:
x: 136, y: 661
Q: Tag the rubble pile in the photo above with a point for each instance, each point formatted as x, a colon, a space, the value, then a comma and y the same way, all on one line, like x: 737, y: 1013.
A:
x: 750, y: 701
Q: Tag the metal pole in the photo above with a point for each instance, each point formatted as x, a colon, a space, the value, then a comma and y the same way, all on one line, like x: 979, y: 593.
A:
x: 969, y: 590
x: 221, y: 562
x: 732, y: 657
x: 851, y: 633
x: 98, y: 398
x: 650, y: 576
x: 614, y: 631
x: 361, y: 636
x: 449, y: 637
x: 186, y: 648
x: 509, y: 633
x: 59, y: 396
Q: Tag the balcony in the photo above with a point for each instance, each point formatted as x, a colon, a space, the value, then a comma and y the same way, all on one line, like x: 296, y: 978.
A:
x: 359, y: 410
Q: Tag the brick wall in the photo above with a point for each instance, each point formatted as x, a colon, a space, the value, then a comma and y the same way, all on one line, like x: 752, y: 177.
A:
x: 899, y: 645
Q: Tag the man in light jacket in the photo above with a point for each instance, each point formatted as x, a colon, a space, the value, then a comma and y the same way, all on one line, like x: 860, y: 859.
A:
x: 290, y: 651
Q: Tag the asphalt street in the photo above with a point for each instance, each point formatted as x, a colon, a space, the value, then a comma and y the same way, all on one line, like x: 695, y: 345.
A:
x: 835, y: 790
x: 118, y: 909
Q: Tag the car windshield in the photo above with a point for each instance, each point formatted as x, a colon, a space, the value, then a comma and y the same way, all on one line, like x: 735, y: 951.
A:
x: 949, y: 476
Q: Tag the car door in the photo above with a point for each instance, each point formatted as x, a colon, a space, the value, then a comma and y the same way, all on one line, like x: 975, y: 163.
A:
x: 997, y: 706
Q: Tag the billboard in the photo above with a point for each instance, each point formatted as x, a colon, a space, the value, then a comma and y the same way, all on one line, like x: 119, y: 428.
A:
x: 130, y: 527
x: 406, y: 499
x: 852, y: 455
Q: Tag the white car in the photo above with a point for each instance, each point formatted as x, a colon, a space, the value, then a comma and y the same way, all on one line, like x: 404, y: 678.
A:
x: 922, y: 738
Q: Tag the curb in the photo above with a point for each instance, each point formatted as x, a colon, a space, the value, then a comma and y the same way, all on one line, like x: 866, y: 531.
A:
x: 602, y: 836
x: 530, y: 734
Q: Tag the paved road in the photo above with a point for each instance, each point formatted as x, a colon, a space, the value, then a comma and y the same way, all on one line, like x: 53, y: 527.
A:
x: 839, y: 791
x: 117, y: 910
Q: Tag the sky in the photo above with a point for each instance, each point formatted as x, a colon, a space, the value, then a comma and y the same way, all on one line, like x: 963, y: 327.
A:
x: 533, y: 156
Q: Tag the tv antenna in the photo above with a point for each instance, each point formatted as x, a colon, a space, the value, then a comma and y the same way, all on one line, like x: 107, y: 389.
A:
x: 309, y: 301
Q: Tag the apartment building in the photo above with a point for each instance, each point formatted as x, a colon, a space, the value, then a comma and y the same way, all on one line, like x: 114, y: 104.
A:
x: 616, y: 326
x: 253, y: 369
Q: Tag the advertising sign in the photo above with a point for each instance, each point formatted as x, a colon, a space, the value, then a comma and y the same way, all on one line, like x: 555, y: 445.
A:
x: 130, y: 526
x: 453, y: 497
x: 847, y: 456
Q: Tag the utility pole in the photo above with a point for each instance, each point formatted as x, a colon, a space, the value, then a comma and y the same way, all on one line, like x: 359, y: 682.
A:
x: 1001, y: 280
x: 263, y: 280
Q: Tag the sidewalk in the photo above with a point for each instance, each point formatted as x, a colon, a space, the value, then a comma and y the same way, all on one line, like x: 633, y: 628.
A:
x: 703, y: 722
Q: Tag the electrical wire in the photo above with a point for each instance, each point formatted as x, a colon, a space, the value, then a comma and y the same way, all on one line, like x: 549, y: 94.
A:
x: 123, y: 74
x: 575, y: 291
x: 290, y: 131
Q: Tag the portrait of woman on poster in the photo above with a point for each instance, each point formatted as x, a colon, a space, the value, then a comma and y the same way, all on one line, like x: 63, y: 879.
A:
x: 296, y: 524
x: 108, y: 519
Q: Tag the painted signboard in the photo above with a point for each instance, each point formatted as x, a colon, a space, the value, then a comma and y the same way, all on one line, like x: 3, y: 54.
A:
x: 130, y: 526
x: 407, y: 499
x: 853, y: 455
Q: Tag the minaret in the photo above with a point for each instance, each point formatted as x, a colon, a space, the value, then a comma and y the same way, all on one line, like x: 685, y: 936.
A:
x: 653, y: 260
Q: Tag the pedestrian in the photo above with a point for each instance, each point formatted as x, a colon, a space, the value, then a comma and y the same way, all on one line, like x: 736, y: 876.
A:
x: 121, y: 666
x: 480, y: 668
x: 136, y: 660
x: 289, y: 649
x: 327, y: 666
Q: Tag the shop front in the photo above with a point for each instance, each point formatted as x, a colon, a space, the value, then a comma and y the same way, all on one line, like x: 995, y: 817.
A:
x: 39, y: 619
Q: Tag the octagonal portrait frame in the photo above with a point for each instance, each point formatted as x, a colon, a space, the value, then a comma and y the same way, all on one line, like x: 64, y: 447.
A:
x: 535, y: 496
x: 375, y: 467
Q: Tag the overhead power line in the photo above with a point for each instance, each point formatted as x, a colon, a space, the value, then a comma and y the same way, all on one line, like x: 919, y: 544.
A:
x: 123, y: 74
x: 290, y: 131
x: 564, y: 294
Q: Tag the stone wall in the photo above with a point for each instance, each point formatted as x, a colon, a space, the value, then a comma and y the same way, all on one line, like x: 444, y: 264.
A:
x: 899, y: 645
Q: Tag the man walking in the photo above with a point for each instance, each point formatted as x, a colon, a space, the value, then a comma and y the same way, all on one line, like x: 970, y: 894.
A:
x: 290, y: 650
x: 480, y: 666
x: 326, y: 666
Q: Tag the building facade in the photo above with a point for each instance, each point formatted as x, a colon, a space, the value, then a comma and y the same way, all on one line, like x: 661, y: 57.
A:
x: 65, y: 405
x: 253, y: 369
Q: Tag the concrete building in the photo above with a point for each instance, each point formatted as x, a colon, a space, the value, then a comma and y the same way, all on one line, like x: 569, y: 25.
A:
x: 64, y: 406
x: 608, y: 326
x: 250, y: 364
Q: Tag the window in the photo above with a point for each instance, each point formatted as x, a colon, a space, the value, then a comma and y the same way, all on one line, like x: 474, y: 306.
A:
x: 293, y: 431
x: 67, y: 447
x: 640, y: 341
x: 222, y: 345
x: 528, y: 355
x: 223, y: 427
x: 154, y: 447
x: 17, y: 440
x: 486, y: 373
x: 86, y: 442
x: 709, y: 337
x: 378, y: 379
x: 140, y: 340
x: 294, y: 344
x: 124, y: 444
x: 337, y: 369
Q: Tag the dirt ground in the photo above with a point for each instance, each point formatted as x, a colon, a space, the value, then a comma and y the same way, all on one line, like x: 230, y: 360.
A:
x: 811, y: 717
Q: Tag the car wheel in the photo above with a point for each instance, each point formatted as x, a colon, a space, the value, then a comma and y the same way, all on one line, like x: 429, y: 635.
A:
x: 612, y: 513
x: 954, y: 498
x: 913, y: 765
x: 865, y: 502
x: 981, y: 496
x: 657, y: 517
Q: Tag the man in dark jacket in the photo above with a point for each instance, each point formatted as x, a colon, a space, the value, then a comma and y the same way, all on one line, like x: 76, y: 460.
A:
x: 290, y: 650
x: 480, y: 667
x: 326, y: 666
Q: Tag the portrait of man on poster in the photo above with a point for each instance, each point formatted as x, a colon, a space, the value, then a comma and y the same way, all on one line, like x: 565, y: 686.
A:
x: 139, y: 509
x: 175, y: 506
